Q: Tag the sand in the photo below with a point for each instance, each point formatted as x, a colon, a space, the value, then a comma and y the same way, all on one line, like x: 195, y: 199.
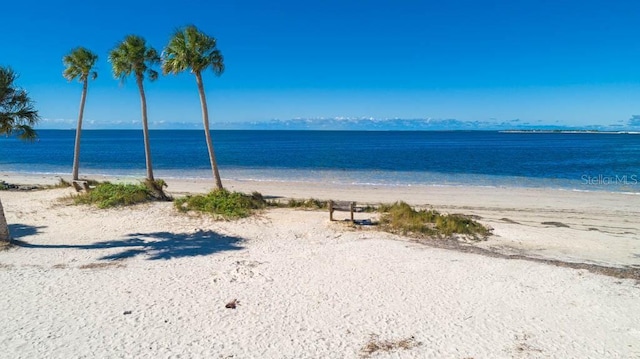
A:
x: 147, y: 281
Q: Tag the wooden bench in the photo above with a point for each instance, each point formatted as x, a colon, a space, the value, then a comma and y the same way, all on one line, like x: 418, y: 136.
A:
x: 341, y: 206
x: 81, y: 186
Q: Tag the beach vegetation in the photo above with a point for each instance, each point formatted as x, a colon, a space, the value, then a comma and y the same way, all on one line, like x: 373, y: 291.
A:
x: 79, y: 65
x: 191, y: 49
x: 222, y: 203
x: 107, y: 194
x: 17, y: 113
x: 92, y: 182
x: 60, y: 184
x: 17, y: 117
x: 402, y: 218
x: 157, y: 187
x: 134, y: 57
x: 310, y: 203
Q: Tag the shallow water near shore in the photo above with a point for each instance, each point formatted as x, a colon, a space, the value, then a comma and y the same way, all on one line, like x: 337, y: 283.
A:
x: 576, y: 161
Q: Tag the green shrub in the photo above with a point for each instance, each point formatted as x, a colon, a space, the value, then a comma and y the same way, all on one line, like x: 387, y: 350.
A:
x: 227, y: 205
x: 107, y: 194
x: 401, y: 218
x: 310, y: 203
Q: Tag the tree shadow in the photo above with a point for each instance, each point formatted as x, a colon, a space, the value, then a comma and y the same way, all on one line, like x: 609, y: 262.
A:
x: 18, y: 230
x: 158, y: 245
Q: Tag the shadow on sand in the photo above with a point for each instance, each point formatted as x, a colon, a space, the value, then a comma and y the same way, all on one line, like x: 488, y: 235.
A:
x: 156, y: 245
x: 17, y: 230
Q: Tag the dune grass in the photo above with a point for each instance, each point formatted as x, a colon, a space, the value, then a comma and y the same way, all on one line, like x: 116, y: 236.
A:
x: 314, y: 203
x: 222, y: 203
x: 310, y: 203
x: 401, y: 218
x: 107, y: 194
x: 61, y: 184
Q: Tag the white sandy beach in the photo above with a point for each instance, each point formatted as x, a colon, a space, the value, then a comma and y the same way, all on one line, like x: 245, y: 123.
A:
x: 146, y: 281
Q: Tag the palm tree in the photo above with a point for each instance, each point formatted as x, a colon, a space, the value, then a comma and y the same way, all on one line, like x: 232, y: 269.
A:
x: 133, y: 56
x: 17, y: 116
x: 189, y: 48
x: 79, y: 63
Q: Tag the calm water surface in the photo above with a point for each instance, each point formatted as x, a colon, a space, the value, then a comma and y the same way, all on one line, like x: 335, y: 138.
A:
x: 580, y: 161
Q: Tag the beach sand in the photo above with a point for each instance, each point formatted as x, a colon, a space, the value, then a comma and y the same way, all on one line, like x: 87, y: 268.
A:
x: 147, y: 281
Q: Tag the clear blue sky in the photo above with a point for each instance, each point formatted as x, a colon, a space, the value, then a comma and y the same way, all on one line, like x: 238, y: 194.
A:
x: 563, y: 62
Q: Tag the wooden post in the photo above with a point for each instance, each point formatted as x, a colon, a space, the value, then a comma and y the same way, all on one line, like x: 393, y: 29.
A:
x: 353, y: 204
x: 330, y: 210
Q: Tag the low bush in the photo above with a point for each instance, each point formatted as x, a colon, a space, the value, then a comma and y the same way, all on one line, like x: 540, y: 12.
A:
x: 222, y: 203
x: 401, y: 218
x: 108, y: 194
x: 310, y: 203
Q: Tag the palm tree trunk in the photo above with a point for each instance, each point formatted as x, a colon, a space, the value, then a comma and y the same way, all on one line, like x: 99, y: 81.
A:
x: 4, y: 228
x: 76, y: 149
x: 207, y: 132
x: 145, y: 130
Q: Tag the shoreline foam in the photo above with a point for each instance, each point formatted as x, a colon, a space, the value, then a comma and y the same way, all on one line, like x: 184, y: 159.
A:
x: 33, y: 177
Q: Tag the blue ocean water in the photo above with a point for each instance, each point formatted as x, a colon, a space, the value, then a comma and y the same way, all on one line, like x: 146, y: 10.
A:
x: 581, y: 161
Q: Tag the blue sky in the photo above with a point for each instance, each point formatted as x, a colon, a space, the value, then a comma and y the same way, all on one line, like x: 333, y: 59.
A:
x: 560, y: 62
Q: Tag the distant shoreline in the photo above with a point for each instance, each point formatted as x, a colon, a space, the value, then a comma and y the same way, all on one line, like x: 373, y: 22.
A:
x: 574, y: 131
x: 610, y: 132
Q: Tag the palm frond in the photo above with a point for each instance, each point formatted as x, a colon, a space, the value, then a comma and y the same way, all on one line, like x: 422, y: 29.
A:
x: 26, y: 133
x: 17, y: 113
x: 79, y: 64
x: 133, y: 56
x: 152, y: 75
x: 189, y: 48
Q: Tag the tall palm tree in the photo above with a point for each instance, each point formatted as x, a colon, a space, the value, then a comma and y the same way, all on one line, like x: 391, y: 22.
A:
x: 79, y: 64
x: 17, y: 116
x: 133, y: 56
x: 189, y: 48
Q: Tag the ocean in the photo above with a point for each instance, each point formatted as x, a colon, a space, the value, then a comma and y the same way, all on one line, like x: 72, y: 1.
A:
x: 573, y: 161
